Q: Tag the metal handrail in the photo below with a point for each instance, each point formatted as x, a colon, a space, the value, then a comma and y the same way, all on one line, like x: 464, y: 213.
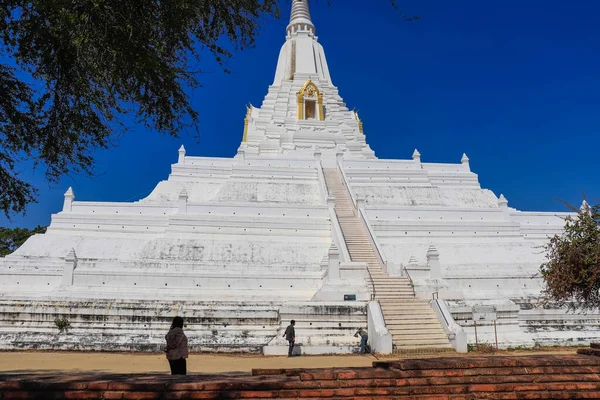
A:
x: 346, y: 184
x: 322, y: 181
x: 373, y: 295
x: 436, y: 298
x: 373, y: 242
x: 358, y: 215
x: 412, y: 285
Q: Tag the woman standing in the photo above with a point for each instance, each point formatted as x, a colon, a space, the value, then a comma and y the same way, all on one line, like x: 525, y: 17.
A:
x: 177, y: 347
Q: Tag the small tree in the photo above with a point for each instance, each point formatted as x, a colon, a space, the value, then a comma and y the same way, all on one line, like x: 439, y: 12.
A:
x: 12, y: 239
x: 572, y: 270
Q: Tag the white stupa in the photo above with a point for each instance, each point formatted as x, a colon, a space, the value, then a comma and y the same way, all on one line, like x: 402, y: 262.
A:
x: 304, y: 222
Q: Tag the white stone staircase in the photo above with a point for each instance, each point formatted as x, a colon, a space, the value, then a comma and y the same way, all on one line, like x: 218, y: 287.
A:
x: 412, y: 322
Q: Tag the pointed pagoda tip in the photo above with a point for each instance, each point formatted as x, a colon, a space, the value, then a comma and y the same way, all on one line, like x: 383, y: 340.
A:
x: 464, y: 158
x: 432, y: 251
x: 182, y: 148
x: 69, y: 192
x: 300, y: 12
x: 416, y: 153
x: 502, y: 201
x: 300, y: 20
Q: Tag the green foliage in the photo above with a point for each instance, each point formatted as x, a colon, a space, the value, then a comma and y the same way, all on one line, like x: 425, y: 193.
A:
x: 77, y: 67
x: 572, y: 270
x: 62, y: 324
x: 72, y: 70
x: 12, y: 239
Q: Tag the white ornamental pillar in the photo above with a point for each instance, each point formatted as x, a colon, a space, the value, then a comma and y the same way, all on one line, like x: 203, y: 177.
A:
x: 465, y: 162
x: 433, y: 260
x: 183, y: 200
x: 69, y: 268
x: 69, y: 198
x: 503, y: 204
x: 181, y: 159
x: 334, y: 263
x: 417, y: 159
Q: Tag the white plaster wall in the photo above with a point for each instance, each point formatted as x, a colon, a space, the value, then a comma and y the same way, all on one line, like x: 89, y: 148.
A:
x: 426, y: 196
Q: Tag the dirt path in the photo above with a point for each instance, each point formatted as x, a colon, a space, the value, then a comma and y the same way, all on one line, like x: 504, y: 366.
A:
x: 38, y: 362
x: 34, y: 362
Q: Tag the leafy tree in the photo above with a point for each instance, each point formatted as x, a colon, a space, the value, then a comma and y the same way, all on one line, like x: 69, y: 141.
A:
x: 12, y: 239
x: 70, y: 70
x: 572, y: 270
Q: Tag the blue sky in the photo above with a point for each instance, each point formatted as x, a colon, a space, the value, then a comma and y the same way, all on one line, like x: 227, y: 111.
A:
x: 514, y: 84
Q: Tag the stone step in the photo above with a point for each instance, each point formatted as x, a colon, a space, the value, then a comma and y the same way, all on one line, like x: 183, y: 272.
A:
x: 404, y: 308
x: 392, y: 284
x: 421, y: 350
x: 421, y: 342
x: 408, y: 315
x: 403, y: 329
x: 392, y: 288
x: 417, y: 331
x: 400, y: 297
x: 399, y: 329
x: 387, y: 290
x: 391, y: 305
x: 420, y: 338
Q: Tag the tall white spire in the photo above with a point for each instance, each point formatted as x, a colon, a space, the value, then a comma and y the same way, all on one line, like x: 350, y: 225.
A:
x: 300, y: 18
x: 301, y: 57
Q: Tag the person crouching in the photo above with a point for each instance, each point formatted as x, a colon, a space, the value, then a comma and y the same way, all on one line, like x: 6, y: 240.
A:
x: 363, y: 339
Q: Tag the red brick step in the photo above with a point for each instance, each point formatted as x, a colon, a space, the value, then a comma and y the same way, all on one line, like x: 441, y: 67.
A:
x: 532, y: 377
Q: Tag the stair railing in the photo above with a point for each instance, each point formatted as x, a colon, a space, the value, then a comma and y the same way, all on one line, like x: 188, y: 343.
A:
x: 359, y: 214
x: 347, y: 185
x: 436, y: 299
x: 374, y: 292
x: 412, y: 285
x: 378, y: 251
x: 322, y: 182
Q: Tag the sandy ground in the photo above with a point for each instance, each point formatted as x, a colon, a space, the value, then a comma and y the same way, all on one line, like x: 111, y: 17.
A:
x: 43, y: 362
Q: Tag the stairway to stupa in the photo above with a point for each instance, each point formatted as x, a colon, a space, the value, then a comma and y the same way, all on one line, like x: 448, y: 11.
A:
x: 412, y: 322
